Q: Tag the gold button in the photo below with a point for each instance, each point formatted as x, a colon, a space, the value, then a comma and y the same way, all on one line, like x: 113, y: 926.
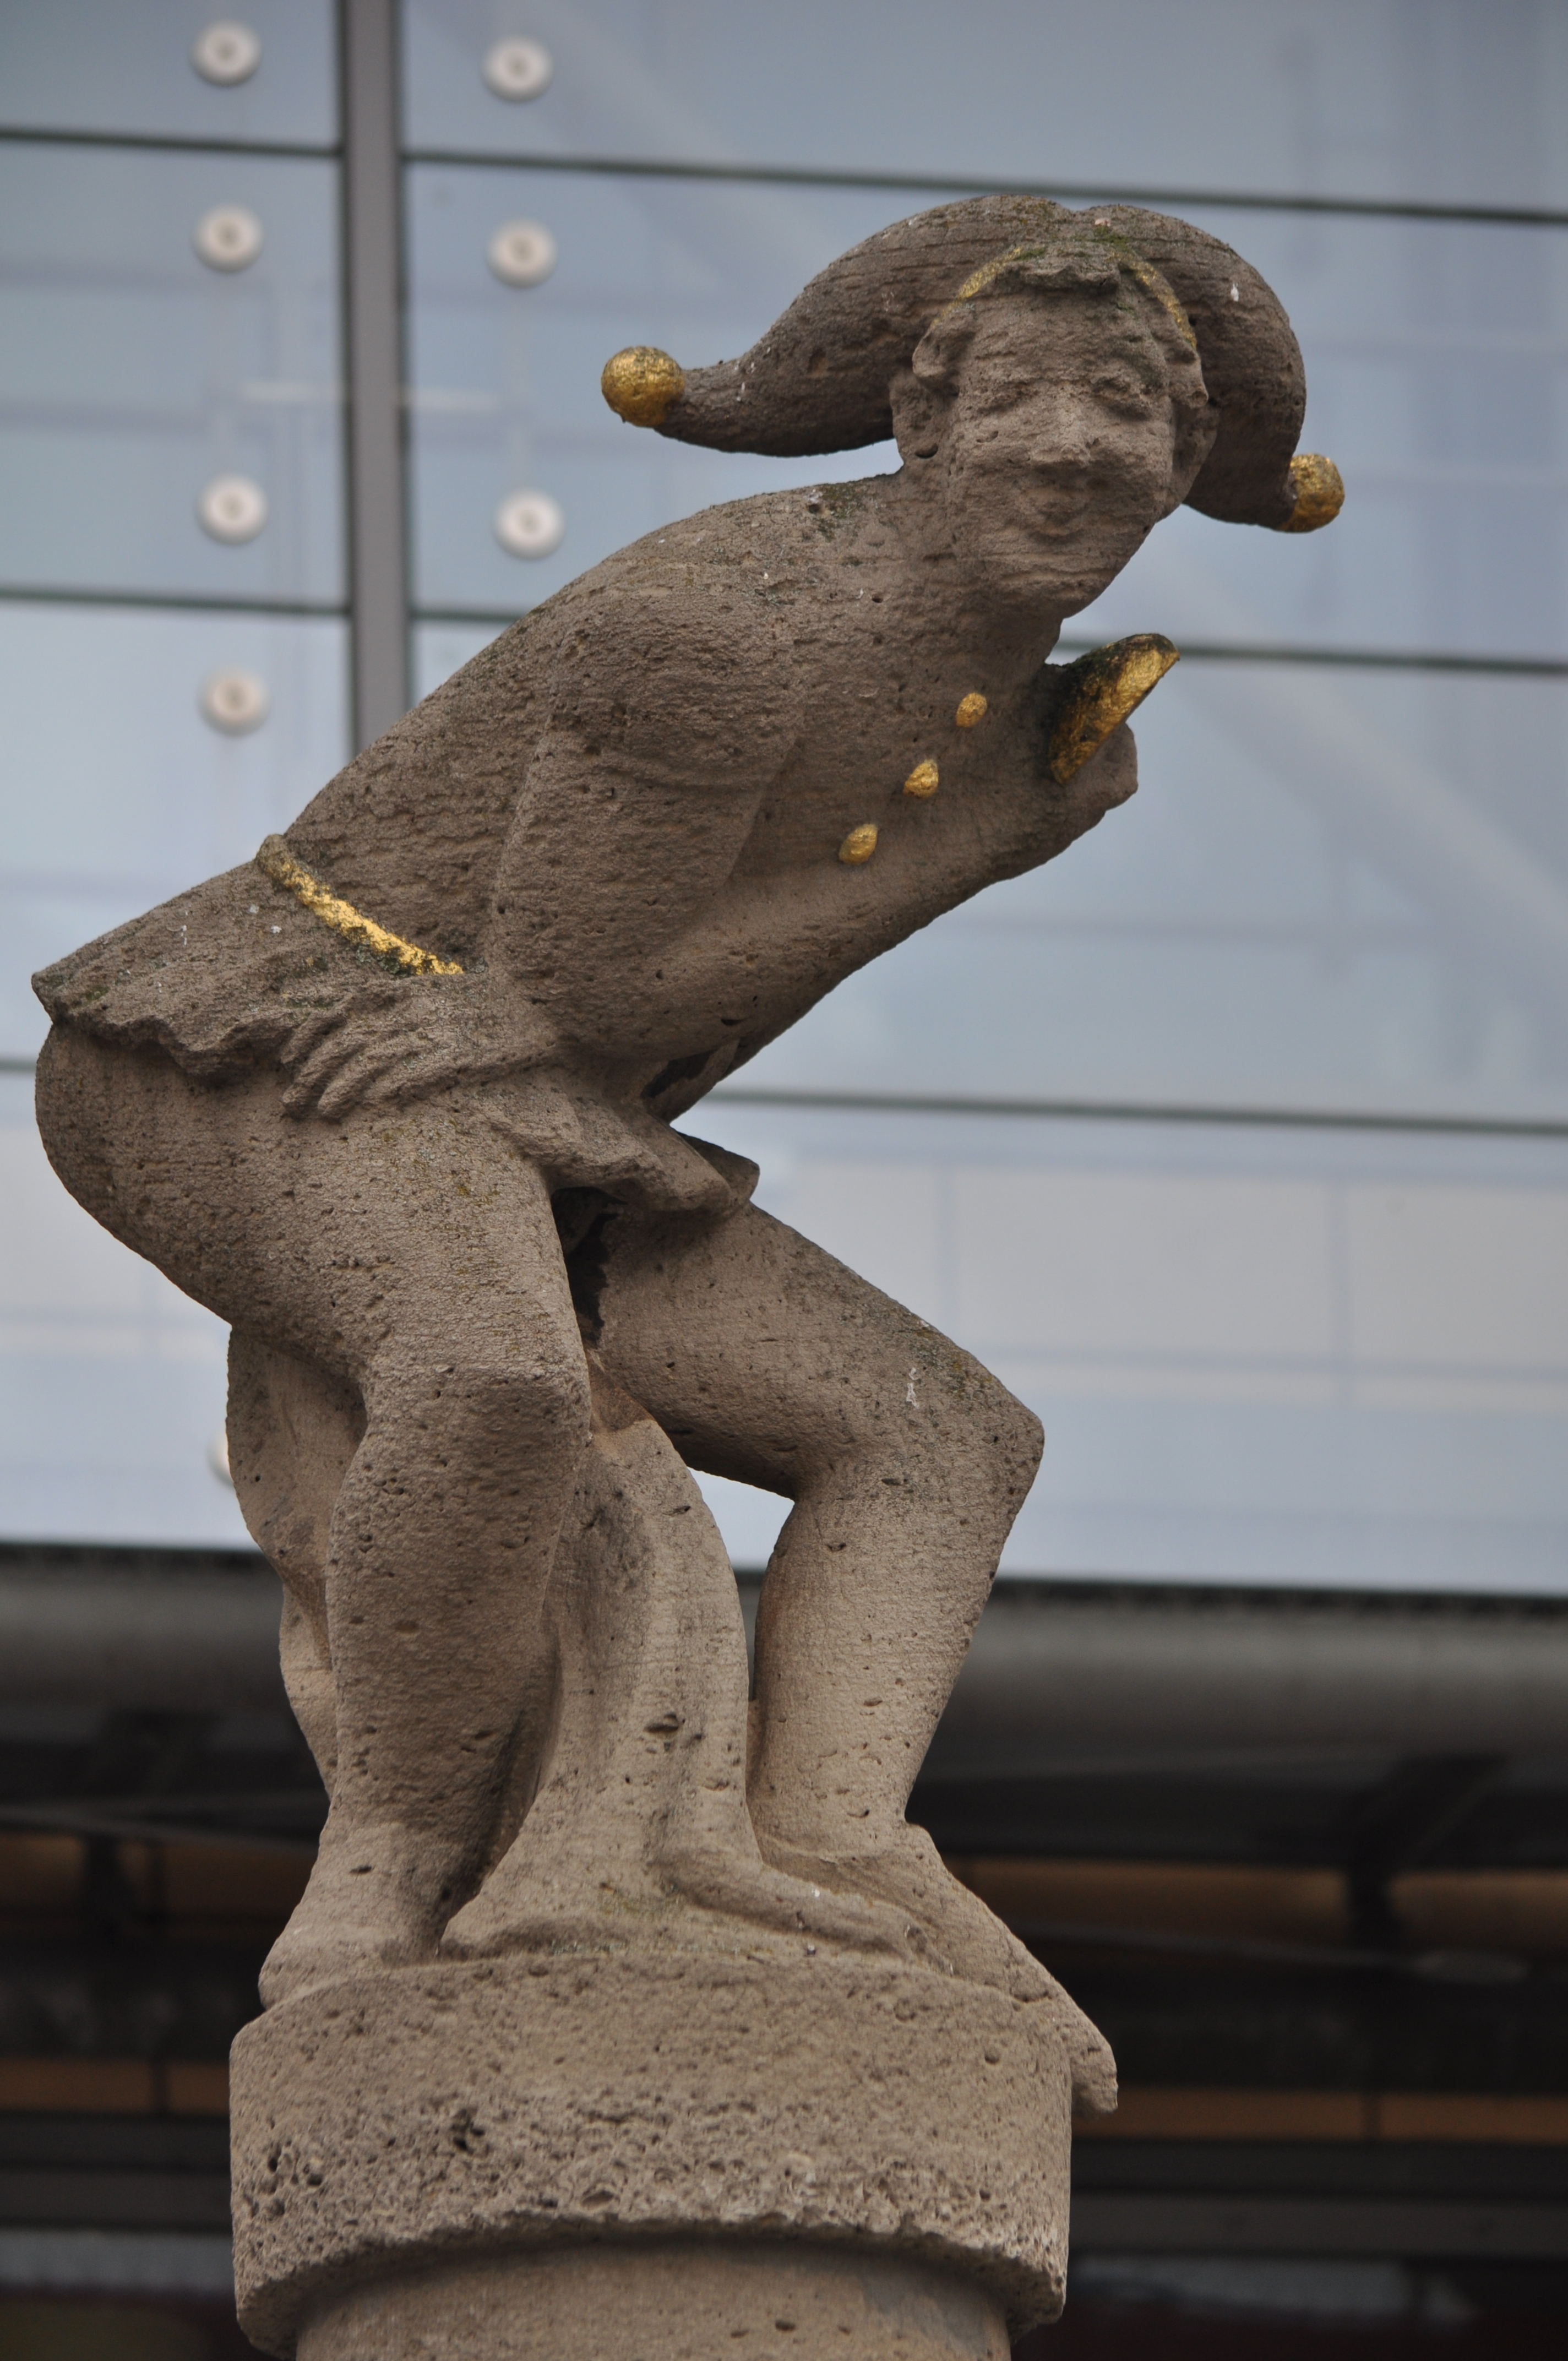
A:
x: 923, y: 780
x: 971, y: 708
x: 858, y: 845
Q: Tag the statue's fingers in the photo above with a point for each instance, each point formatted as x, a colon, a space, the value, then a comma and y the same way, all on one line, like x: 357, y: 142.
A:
x: 308, y: 1037
x: 355, y: 1080
x: 407, y: 1077
x: 335, y: 1052
x: 299, y: 1095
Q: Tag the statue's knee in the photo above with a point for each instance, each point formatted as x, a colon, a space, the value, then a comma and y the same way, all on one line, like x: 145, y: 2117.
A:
x: 994, y: 1452
x: 1019, y: 1438
x: 69, y: 1101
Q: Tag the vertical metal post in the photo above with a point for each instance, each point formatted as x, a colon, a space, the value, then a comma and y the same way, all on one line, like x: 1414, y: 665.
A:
x: 378, y: 494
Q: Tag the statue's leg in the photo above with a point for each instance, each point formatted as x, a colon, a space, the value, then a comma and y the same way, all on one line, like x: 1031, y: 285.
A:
x: 412, y: 1263
x: 766, y: 1361
x: 476, y: 1413
x: 293, y: 1430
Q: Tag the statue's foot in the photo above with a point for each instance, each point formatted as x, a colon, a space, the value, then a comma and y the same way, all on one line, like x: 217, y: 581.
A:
x: 369, y: 1903
x: 769, y: 1894
x: 964, y: 1937
x: 723, y: 1893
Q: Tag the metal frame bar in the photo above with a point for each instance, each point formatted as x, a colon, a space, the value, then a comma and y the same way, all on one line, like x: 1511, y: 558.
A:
x: 829, y: 176
x: 942, y: 184
x: 373, y: 289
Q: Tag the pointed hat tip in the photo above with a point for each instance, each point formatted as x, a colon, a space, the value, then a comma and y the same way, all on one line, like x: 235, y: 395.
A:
x: 642, y: 385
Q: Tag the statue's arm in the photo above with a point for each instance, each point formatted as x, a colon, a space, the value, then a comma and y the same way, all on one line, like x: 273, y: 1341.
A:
x: 667, y: 721
x: 670, y: 722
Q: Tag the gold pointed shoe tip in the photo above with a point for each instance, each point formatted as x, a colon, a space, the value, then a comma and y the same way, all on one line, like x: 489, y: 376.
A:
x: 642, y: 385
x: 1319, y: 493
x: 1098, y: 693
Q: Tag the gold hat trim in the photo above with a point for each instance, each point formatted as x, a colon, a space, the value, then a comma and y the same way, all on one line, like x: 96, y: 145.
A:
x: 276, y: 860
x: 1319, y: 493
x: 643, y: 384
x: 980, y: 282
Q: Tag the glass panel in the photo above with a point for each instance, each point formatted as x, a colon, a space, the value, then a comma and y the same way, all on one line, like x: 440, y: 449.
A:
x: 1437, y: 359
x: 1364, y: 97
x: 1335, y: 889
x: 1437, y: 375
x: 112, y: 1383
x: 1261, y: 1357
x: 506, y: 379
x: 126, y: 793
x: 135, y: 377
x: 102, y: 65
x: 441, y: 649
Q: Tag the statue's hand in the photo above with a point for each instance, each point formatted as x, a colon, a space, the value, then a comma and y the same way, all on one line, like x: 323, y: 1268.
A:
x: 427, y: 1035
x: 1097, y: 694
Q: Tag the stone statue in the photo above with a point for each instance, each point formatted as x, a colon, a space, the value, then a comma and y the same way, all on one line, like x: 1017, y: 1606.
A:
x: 395, y: 1100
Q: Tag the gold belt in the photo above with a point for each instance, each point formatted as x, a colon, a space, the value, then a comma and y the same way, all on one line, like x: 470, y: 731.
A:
x: 276, y: 860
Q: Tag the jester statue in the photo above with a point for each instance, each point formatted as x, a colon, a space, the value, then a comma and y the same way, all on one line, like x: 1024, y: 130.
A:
x: 397, y: 1100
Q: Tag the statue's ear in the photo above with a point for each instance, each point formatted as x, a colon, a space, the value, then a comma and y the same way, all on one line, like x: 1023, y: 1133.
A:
x: 919, y: 416
x: 922, y: 394
x: 936, y: 359
x: 1196, y: 425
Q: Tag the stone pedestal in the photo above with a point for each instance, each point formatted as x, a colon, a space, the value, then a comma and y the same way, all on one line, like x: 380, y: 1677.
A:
x: 666, y: 2299
x: 647, y: 2156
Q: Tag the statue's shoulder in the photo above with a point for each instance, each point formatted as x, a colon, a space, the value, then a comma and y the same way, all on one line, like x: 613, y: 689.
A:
x: 751, y: 558
x: 731, y: 591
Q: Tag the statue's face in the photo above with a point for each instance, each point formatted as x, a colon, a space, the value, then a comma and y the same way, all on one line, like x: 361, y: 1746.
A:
x: 1055, y: 458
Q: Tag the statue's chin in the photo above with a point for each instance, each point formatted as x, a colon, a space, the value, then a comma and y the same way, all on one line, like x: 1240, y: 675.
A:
x: 1040, y: 592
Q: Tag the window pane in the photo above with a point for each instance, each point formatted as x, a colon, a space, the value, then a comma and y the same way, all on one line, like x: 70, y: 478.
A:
x: 1364, y: 97
x: 1257, y: 1357
x: 126, y: 65
x: 1334, y: 889
x: 134, y: 377
x: 1437, y: 359
x: 506, y: 379
x: 126, y: 793
x: 441, y: 649
x: 1437, y: 377
x: 112, y: 1383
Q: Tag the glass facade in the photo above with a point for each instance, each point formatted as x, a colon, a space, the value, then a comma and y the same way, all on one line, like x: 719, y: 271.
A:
x: 136, y: 375
x: 1237, y: 1140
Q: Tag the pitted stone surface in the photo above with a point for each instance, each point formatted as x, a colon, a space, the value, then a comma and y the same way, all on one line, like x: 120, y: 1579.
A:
x: 397, y: 2119
x: 605, y: 1941
x: 658, y: 2300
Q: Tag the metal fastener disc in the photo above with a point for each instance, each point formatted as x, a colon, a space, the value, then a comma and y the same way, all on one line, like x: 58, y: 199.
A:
x: 530, y: 524
x: 518, y: 69
x: 228, y: 238
x: 231, y: 508
x: 522, y: 254
x: 227, y: 53
x: 235, y: 702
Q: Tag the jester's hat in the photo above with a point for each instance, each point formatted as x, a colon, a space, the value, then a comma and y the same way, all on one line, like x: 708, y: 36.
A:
x: 820, y: 379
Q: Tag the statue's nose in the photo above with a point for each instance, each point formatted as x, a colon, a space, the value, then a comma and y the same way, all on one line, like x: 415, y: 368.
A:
x: 1063, y: 458
x: 1065, y: 441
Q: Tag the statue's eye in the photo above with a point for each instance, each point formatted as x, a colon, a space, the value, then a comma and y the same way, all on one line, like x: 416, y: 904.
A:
x: 1123, y: 393
x: 1007, y: 394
